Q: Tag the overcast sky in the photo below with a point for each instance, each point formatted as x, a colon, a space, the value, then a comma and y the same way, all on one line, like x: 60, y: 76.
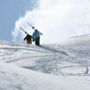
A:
x: 56, y: 19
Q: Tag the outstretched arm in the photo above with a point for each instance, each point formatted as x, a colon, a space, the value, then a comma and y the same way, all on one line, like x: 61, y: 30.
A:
x: 40, y: 32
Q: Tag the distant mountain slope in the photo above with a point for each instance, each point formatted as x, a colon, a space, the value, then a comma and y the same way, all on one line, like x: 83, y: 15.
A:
x: 78, y: 40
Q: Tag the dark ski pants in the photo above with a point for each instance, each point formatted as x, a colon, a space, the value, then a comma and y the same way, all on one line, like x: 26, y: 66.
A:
x: 37, y: 41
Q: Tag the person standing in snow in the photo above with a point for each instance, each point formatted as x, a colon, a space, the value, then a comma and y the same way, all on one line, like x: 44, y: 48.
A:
x: 36, y: 37
x: 28, y: 38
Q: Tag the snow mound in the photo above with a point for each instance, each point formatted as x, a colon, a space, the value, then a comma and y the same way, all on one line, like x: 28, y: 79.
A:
x: 49, y: 67
x: 16, y: 78
x: 78, y: 40
x: 49, y: 59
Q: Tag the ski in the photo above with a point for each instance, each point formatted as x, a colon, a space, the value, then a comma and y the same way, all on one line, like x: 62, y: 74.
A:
x: 23, y: 30
x: 33, y: 27
x: 30, y: 25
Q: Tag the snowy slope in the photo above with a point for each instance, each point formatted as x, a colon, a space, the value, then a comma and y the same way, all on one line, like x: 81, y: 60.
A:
x: 80, y: 47
x: 51, y: 59
x: 15, y: 78
x: 50, y: 67
x: 78, y: 40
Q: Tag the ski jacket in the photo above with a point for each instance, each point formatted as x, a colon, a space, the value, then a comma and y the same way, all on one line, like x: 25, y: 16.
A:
x: 28, y: 38
x: 36, y: 34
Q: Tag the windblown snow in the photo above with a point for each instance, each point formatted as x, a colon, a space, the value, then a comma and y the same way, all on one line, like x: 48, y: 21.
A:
x: 49, y: 67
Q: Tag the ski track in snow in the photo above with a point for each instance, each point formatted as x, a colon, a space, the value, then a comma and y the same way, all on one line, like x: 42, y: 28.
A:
x: 49, y: 67
x: 52, y: 59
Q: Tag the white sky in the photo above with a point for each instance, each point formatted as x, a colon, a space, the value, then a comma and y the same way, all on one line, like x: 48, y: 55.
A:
x: 57, y: 19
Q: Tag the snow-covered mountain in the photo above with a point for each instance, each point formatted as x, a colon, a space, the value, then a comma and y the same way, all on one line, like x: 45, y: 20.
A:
x: 77, y: 40
x: 49, y: 67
